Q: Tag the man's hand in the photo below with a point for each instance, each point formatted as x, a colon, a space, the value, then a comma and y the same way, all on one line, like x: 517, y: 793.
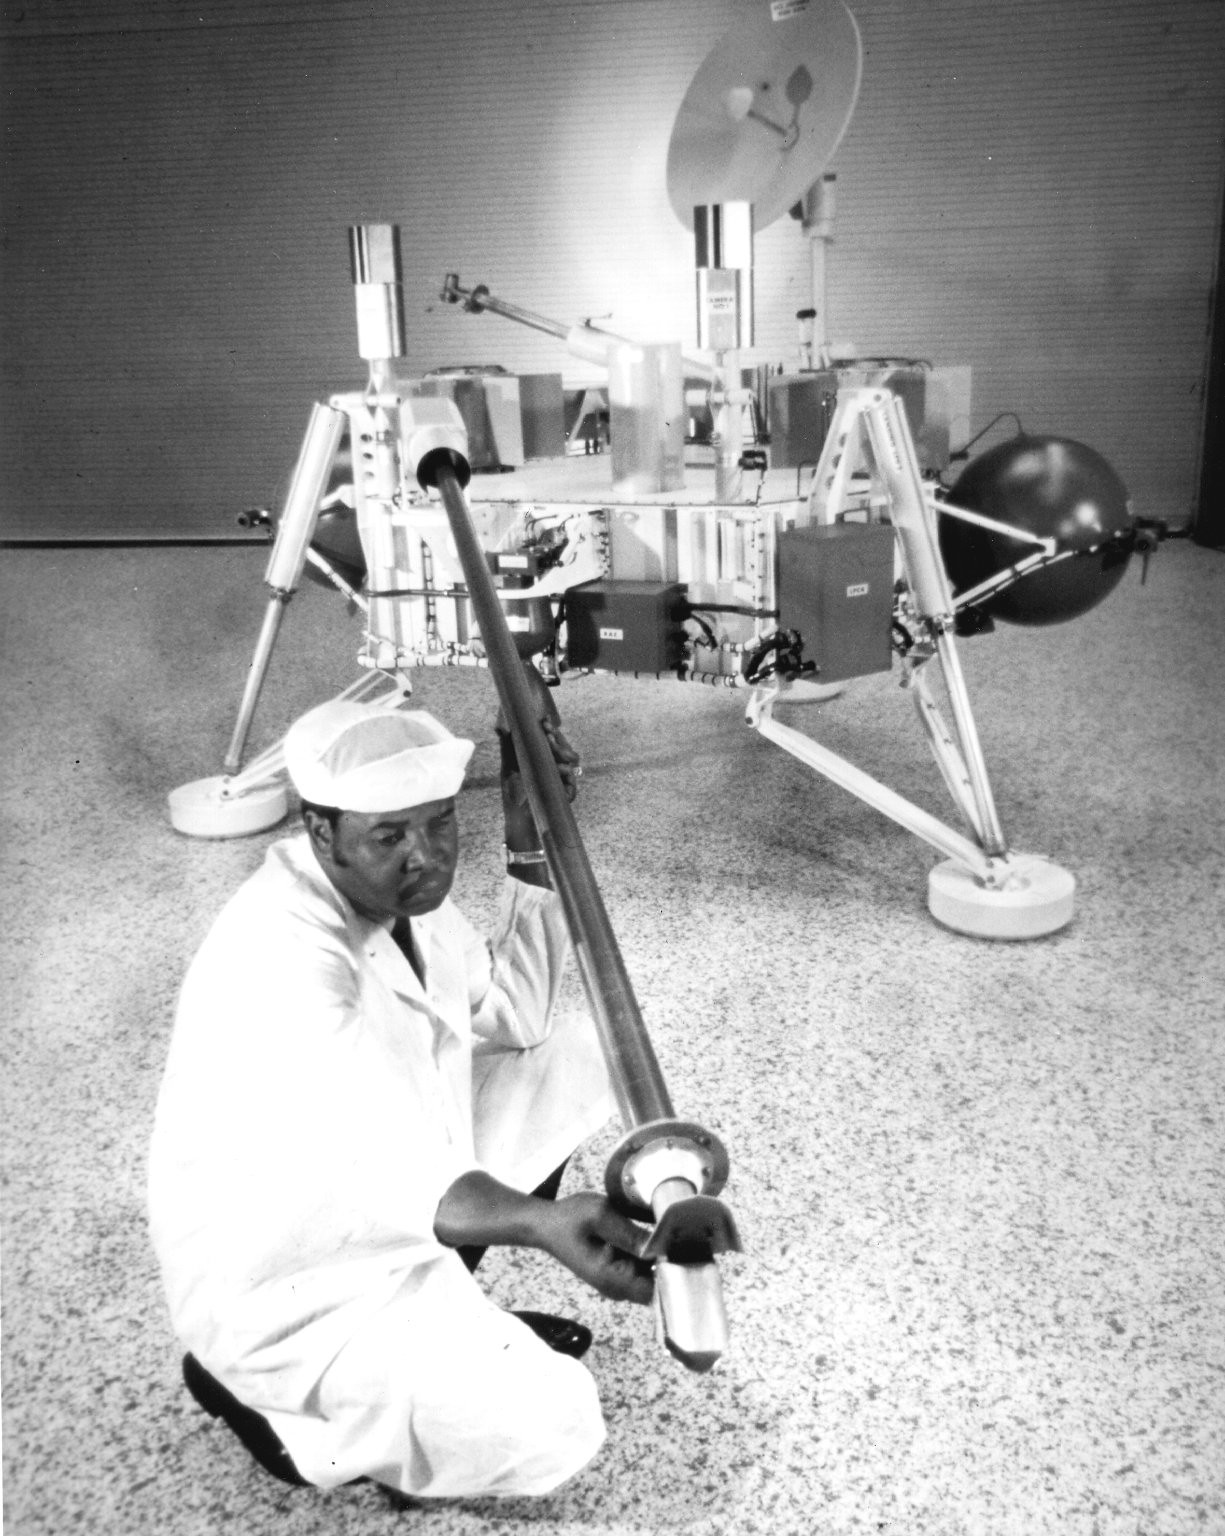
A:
x: 583, y: 1232
x: 514, y: 793
x: 593, y: 1240
x: 521, y: 833
x: 564, y: 755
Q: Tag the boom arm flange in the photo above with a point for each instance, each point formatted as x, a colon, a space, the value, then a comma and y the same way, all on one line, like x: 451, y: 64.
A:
x: 657, y: 1150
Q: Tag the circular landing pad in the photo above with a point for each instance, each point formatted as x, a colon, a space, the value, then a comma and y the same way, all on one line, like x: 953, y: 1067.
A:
x: 1037, y: 899
x: 201, y: 810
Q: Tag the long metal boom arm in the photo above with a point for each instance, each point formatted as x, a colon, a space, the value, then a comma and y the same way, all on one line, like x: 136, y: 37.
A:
x: 586, y: 341
x: 637, y: 1080
x: 664, y: 1169
x: 479, y: 298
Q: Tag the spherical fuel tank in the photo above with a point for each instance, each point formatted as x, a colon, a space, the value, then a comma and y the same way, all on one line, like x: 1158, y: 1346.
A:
x: 1055, y: 488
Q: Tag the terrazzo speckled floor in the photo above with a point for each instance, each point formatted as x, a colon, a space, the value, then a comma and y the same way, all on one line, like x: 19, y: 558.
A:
x: 982, y: 1187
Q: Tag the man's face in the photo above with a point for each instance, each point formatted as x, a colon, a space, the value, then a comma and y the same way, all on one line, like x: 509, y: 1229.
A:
x: 390, y: 864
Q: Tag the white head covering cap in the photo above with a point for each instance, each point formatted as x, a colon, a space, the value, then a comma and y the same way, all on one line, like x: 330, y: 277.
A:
x: 357, y: 758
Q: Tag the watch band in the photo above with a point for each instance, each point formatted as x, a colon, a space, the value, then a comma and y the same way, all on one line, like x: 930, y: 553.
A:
x: 525, y: 855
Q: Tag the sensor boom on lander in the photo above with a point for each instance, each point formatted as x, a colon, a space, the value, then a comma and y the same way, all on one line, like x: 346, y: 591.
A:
x: 807, y: 543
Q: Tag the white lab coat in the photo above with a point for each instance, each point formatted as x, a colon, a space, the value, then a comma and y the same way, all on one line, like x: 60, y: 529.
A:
x: 317, y: 1103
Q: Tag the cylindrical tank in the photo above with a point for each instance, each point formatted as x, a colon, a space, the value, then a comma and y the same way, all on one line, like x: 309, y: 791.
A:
x: 1056, y: 488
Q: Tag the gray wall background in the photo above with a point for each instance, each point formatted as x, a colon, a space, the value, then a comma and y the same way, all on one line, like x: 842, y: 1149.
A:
x: 1033, y: 189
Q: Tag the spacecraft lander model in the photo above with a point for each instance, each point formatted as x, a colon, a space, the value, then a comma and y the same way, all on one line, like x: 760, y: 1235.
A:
x: 806, y: 543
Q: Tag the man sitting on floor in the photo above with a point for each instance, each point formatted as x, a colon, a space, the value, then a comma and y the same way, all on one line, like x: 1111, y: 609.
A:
x: 360, y: 1094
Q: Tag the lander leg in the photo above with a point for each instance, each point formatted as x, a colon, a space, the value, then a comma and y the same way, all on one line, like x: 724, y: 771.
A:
x: 982, y: 888
x: 1024, y: 896
x: 238, y: 804
x: 242, y: 801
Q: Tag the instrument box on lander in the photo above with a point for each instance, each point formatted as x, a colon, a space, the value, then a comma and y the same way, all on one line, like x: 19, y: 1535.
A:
x: 801, y: 408
x: 510, y: 418
x: 626, y: 626
x: 835, y: 587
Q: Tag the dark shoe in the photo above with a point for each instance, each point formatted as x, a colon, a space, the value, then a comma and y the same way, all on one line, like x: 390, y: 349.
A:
x: 559, y: 1333
x: 252, y: 1428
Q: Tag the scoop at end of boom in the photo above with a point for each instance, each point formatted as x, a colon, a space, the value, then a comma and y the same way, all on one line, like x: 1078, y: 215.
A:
x: 689, y: 1313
